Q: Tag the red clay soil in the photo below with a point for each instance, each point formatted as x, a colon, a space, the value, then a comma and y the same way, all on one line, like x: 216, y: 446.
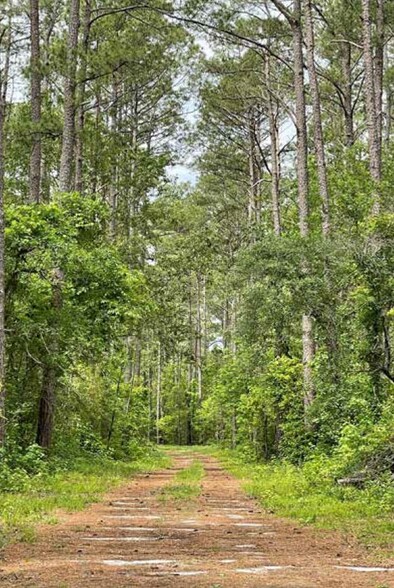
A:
x: 221, y: 539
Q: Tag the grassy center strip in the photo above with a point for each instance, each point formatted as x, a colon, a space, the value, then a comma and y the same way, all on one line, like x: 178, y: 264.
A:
x: 186, y: 485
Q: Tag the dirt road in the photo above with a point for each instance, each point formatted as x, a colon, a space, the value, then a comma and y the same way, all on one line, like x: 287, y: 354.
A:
x: 221, y: 539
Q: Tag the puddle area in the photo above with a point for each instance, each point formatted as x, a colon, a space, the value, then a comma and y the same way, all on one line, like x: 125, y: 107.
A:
x: 261, y: 569
x: 255, y: 525
x: 137, y: 562
x: 145, y: 517
x: 365, y: 569
x: 129, y: 506
x: 120, y: 538
x: 135, y: 529
x: 196, y: 573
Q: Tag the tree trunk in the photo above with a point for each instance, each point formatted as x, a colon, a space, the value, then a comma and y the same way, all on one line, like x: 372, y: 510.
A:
x: 302, y: 143
x: 379, y: 66
x: 303, y: 190
x: 80, y: 121
x: 389, y: 108
x: 275, y: 160
x: 198, y: 338
x: 346, y: 63
x: 204, y: 316
x: 158, y: 395
x: 4, y: 75
x: 35, y: 89
x: 51, y: 370
x: 150, y: 407
x: 233, y: 325
x: 132, y: 203
x: 308, y: 354
x: 234, y: 429
x: 68, y: 139
x: 253, y: 204
x: 294, y: 19
x: 113, y: 188
x: 137, y: 357
x: 225, y: 324
x: 46, y: 412
x: 2, y: 283
x: 317, y: 120
x: 370, y: 104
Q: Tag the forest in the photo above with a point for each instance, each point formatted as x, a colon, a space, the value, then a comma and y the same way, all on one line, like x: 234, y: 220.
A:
x: 197, y: 233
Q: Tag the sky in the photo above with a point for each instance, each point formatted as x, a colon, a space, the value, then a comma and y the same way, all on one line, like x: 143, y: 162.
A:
x: 183, y: 173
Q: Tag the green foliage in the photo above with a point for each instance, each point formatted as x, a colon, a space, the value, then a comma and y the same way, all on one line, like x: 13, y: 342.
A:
x: 141, y: 309
x: 102, y: 301
x: 306, y: 495
x: 31, y: 499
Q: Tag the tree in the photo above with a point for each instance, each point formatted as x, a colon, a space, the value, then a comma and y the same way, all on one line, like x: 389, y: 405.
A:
x: 35, y: 84
x: 294, y: 19
x: 372, y: 101
x: 68, y: 135
x: 5, y: 46
x: 317, y: 120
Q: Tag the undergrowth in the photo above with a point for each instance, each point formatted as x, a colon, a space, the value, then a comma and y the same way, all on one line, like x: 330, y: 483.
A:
x: 304, y: 494
x: 28, y: 498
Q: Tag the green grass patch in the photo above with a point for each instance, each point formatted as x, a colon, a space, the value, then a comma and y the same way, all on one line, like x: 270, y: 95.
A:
x: 288, y: 491
x: 186, y: 485
x: 69, y: 490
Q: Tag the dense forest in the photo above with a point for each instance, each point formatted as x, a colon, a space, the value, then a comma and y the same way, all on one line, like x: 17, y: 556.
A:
x: 197, y: 228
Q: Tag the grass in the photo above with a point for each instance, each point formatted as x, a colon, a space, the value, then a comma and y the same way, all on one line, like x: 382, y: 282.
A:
x: 186, y: 485
x: 285, y: 490
x: 70, y: 490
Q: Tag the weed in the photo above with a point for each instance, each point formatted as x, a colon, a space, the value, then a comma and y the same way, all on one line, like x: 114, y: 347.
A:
x: 288, y: 491
x: 70, y: 490
x: 186, y: 485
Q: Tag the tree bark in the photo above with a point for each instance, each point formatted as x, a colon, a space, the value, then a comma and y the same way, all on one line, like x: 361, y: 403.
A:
x: 294, y: 19
x: 68, y: 140
x: 317, y: 120
x: 113, y: 188
x: 2, y: 282
x: 253, y: 204
x: 379, y: 66
x: 47, y: 31
x: 46, y: 412
x: 274, y: 146
x: 370, y: 104
x: 204, y: 313
x: 346, y: 64
x: 302, y: 142
x: 4, y: 74
x: 80, y: 120
x: 308, y: 354
x: 198, y: 337
x: 234, y: 429
x: 303, y: 190
x: 51, y: 371
x: 158, y: 395
x: 35, y: 89
x: 132, y: 202
x: 389, y: 108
